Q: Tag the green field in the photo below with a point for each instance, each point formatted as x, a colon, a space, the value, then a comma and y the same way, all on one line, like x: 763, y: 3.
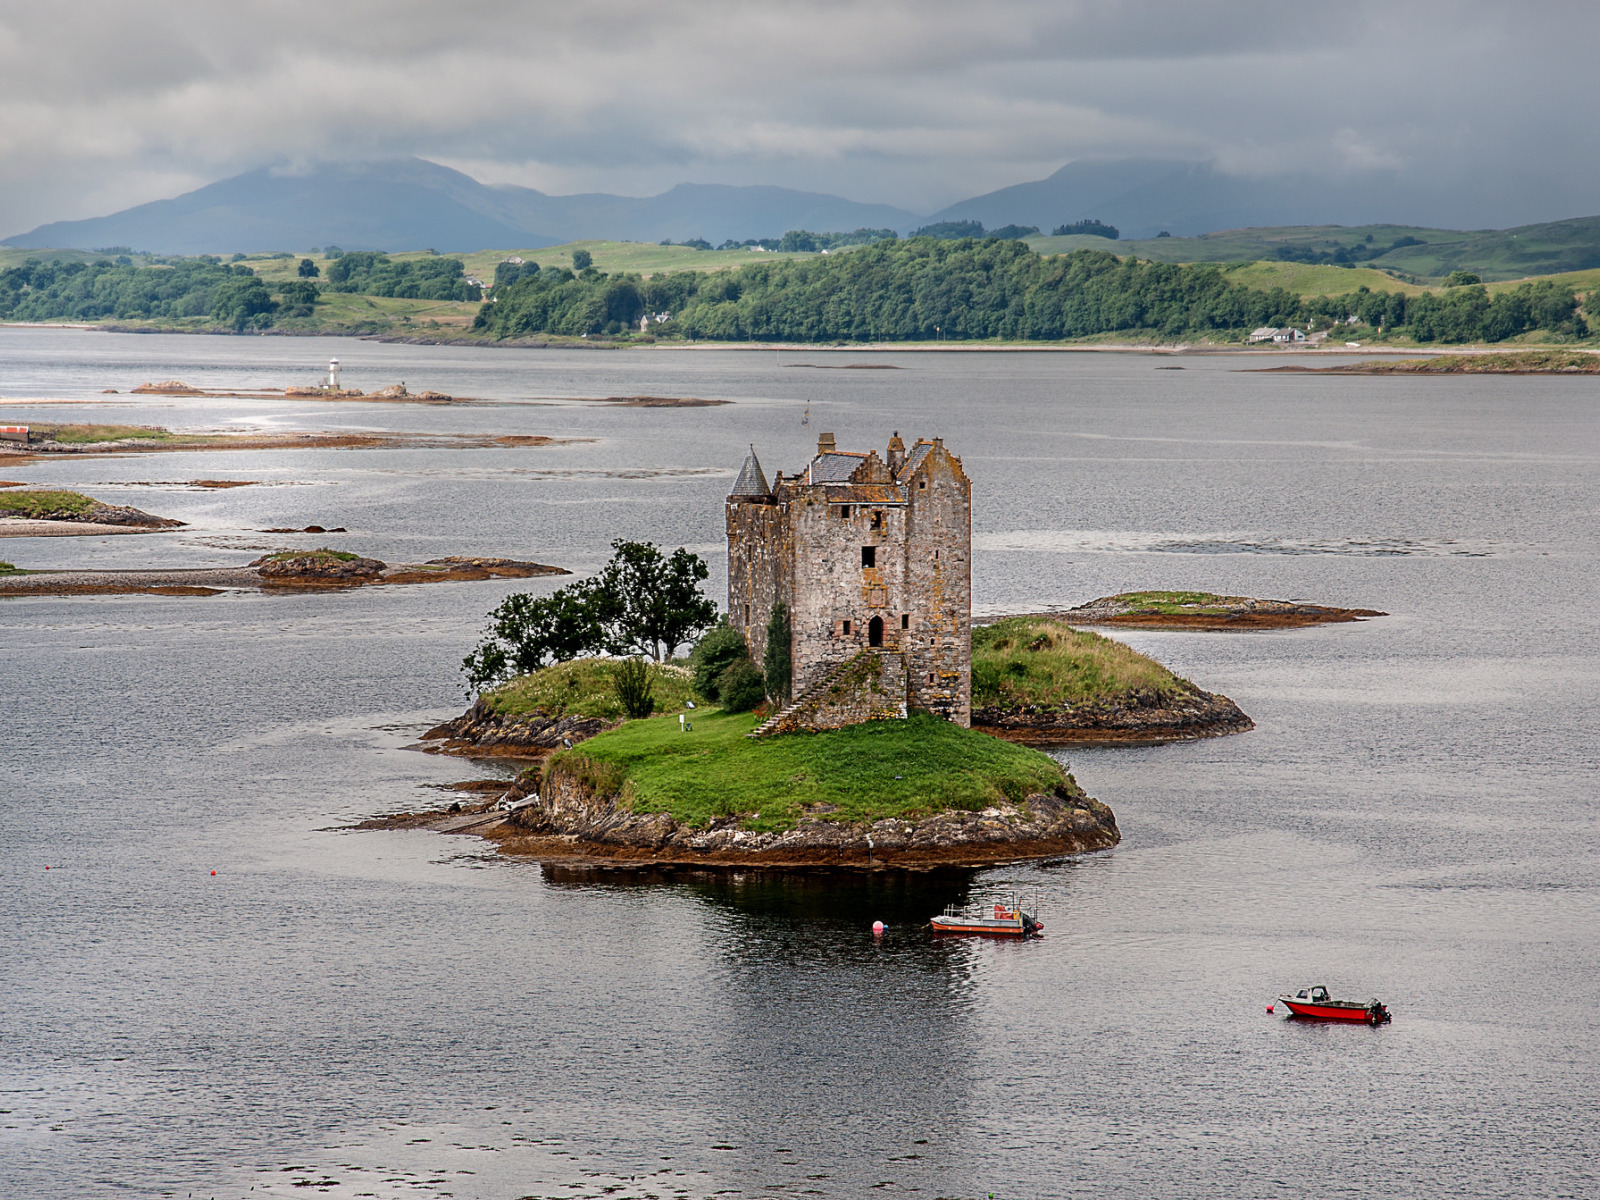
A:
x: 1554, y: 248
x: 904, y: 769
x: 1316, y: 279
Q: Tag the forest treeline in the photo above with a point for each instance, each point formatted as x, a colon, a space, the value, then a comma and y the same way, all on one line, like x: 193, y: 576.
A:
x: 373, y: 273
x: 107, y: 290
x: 924, y: 289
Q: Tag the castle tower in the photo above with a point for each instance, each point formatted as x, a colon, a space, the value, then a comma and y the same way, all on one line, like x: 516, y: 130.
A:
x: 867, y: 553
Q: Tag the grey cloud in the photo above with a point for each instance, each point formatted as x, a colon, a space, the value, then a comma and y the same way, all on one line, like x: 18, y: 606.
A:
x: 909, y: 103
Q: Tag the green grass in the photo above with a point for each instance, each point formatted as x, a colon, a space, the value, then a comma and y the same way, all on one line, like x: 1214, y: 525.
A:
x: 1310, y: 279
x: 83, y: 435
x: 1034, y: 660
x: 44, y: 506
x: 903, y: 769
x: 637, y: 258
x: 10, y: 569
x: 321, y: 554
x: 1177, y: 603
x: 582, y: 687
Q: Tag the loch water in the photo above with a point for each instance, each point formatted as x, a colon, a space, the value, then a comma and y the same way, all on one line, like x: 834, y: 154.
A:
x: 400, y: 1014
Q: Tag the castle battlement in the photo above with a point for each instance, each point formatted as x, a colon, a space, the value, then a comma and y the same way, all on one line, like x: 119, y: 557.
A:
x: 866, y: 552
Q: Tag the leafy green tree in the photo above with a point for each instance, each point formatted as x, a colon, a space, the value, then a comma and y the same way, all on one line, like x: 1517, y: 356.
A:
x: 308, y: 269
x: 242, y: 301
x: 582, y: 260
x: 950, y: 229
x: 1461, y: 279
x: 630, y: 682
x: 528, y: 632
x: 651, y: 603
x: 716, y: 652
x: 779, y: 660
x: 741, y: 686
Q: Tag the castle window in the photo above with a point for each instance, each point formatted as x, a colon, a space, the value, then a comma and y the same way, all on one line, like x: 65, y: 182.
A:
x: 875, y: 631
x: 869, y: 556
x: 877, y: 520
x: 922, y: 485
x: 930, y: 676
x: 905, y: 620
x: 844, y: 512
x: 846, y: 627
x: 747, y: 614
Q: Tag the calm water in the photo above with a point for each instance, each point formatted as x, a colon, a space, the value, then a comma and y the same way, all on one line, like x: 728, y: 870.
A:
x: 402, y: 1014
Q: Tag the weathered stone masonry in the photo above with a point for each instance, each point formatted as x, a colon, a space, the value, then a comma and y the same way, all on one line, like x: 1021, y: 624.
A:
x: 867, y: 553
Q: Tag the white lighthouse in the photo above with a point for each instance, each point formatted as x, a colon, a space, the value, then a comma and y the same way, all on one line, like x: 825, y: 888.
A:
x: 333, y: 374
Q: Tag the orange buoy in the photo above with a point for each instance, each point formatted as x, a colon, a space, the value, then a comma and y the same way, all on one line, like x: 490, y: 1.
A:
x: 1269, y: 1007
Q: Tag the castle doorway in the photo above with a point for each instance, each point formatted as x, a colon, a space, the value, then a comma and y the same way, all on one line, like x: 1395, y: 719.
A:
x: 875, y: 631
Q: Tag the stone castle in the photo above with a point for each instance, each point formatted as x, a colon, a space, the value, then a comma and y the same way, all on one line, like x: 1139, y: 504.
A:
x: 873, y: 559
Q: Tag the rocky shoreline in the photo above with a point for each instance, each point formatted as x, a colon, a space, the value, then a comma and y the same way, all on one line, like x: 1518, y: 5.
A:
x: 1142, y: 716
x: 481, y: 732
x: 567, y: 822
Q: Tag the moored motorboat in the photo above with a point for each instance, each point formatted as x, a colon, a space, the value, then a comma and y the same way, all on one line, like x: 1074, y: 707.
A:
x: 1010, y: 919
x: 1315, y: 1003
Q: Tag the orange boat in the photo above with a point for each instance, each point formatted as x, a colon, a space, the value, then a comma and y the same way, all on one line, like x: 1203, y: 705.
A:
x: 1018, y: 919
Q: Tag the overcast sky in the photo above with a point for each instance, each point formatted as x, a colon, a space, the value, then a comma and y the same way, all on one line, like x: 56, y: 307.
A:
x: 107, y: 103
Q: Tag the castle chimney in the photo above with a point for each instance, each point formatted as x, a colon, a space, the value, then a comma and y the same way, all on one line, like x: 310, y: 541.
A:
x: 897, y: 453
x: 825, y: 443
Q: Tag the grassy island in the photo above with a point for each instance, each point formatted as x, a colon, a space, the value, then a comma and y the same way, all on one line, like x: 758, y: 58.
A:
x: 1034, y: 660
x: 865, y: 773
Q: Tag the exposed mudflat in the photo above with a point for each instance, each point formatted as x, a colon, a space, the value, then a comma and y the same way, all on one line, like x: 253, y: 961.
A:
x: 268, y: 576
x: 1508, y: 362
x: 281, y: 441
x: 1216, y: 613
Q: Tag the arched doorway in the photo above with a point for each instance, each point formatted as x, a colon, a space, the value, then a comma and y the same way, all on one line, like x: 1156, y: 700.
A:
x: 875, y: 631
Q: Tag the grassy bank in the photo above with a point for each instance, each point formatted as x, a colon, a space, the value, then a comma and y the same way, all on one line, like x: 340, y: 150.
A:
x: 903, y: 769
x: 1037, y: 661
x: 44, y: 505
x: 583, y: 688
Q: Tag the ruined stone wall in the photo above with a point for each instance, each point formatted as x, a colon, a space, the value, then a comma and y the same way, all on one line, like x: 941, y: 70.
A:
x: 869, y: 687
x: 834, y: 597
x: 760, y: 551
x: 938, y: 646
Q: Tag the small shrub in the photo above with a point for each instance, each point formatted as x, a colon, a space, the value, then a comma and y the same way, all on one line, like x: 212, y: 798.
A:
x: 741, y: 686
x: 630, y: 680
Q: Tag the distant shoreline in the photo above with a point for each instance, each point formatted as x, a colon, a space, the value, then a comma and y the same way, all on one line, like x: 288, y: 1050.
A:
x: 965, y: 347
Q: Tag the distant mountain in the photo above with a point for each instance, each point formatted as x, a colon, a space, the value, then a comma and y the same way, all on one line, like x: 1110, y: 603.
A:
x: 1083, y: 189
x: 413, y: 204
x: 1143, y: 197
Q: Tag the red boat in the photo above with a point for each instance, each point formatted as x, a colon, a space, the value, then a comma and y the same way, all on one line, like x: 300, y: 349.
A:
x: 1314, y: 1002
x: 1010, y: 919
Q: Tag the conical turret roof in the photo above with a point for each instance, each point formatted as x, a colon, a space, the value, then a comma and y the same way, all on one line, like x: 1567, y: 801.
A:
x: 751, y: 481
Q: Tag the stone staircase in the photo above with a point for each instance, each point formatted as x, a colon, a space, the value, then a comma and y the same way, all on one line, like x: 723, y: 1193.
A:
x: 814, y: 695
